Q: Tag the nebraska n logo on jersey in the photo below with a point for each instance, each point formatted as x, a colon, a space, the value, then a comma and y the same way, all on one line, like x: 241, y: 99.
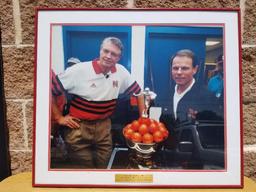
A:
x: 115, y: 83
x: 93, y: 85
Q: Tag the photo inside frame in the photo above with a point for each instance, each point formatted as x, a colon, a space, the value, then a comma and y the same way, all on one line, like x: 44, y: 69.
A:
x: 192, y: 143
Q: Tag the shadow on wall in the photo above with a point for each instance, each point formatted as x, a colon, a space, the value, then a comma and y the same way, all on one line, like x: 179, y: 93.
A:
x: 5, y: 169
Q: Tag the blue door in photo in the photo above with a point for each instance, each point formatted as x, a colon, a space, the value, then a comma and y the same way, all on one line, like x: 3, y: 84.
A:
x: 162, y: 43
x: 83, y: 42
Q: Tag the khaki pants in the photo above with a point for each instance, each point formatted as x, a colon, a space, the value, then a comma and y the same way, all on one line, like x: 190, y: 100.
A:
x: 90, y: 146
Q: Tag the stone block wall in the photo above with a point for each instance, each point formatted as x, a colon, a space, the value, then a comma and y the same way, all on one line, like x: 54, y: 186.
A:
x: 17, y: 25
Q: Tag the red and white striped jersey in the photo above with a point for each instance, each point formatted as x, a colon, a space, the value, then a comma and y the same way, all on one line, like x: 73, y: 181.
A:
x: 94, y: 94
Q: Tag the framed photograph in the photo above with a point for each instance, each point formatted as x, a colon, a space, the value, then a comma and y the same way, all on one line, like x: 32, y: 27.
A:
x: 138, y: 98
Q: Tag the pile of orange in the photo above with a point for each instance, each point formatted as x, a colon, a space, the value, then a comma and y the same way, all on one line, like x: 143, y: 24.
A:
x: 145, y: 130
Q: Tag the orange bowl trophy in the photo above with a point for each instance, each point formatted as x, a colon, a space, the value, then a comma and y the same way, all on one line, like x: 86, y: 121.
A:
x: 144, y: 135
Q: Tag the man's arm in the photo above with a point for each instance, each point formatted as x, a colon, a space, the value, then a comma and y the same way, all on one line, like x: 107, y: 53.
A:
x: 67, y: 120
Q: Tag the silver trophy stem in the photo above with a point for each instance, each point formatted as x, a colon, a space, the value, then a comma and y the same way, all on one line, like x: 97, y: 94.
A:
x: 148, y: 96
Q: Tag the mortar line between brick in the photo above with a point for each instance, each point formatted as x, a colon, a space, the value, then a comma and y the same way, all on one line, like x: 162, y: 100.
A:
x: 130, y: 4
x: 22, y: 150
x: 19, y: 100
x: 250, y: 148
x: 248, y: 46
x: 18, y: 46
x: 25, y: 125
x: 17, y: 21
x: 242, y: 8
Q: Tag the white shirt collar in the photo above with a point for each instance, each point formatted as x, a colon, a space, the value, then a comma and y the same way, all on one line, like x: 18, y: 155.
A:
x: 177, y: 97
x: 186, y: 90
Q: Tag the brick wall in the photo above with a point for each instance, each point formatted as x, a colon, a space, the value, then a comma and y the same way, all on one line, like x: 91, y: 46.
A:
x: 17, y: 25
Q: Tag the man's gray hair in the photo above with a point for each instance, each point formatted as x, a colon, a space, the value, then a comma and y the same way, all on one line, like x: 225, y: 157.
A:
x: 114, y: 40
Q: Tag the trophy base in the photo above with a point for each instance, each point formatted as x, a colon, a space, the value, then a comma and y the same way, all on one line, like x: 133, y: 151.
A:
x: 141, y: 161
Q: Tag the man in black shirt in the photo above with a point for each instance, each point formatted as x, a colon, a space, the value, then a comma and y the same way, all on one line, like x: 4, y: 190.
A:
x: 189, y: 100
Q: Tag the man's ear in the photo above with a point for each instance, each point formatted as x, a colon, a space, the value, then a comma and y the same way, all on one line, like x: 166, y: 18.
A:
x: 119, y: 57
x: 195, y: 69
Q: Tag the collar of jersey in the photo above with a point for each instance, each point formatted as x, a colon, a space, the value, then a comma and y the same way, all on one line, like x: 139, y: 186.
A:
x: 97, y: 68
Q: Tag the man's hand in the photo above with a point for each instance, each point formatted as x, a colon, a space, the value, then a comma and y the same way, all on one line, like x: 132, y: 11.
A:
x: 69, y: 121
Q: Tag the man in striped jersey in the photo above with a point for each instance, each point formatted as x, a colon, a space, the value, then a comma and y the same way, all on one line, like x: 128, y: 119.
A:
x: 94, y: 86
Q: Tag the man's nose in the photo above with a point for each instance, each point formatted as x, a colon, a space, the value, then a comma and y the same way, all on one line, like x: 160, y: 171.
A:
x: 109, y: 55
x: 179, y: 70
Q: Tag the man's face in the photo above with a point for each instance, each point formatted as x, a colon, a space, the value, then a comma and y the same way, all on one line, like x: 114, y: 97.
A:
x: 183, y: 71
x: 109, y: 55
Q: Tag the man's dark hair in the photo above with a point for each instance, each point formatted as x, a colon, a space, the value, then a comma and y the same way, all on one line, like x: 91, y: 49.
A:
x: 185, y: 53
